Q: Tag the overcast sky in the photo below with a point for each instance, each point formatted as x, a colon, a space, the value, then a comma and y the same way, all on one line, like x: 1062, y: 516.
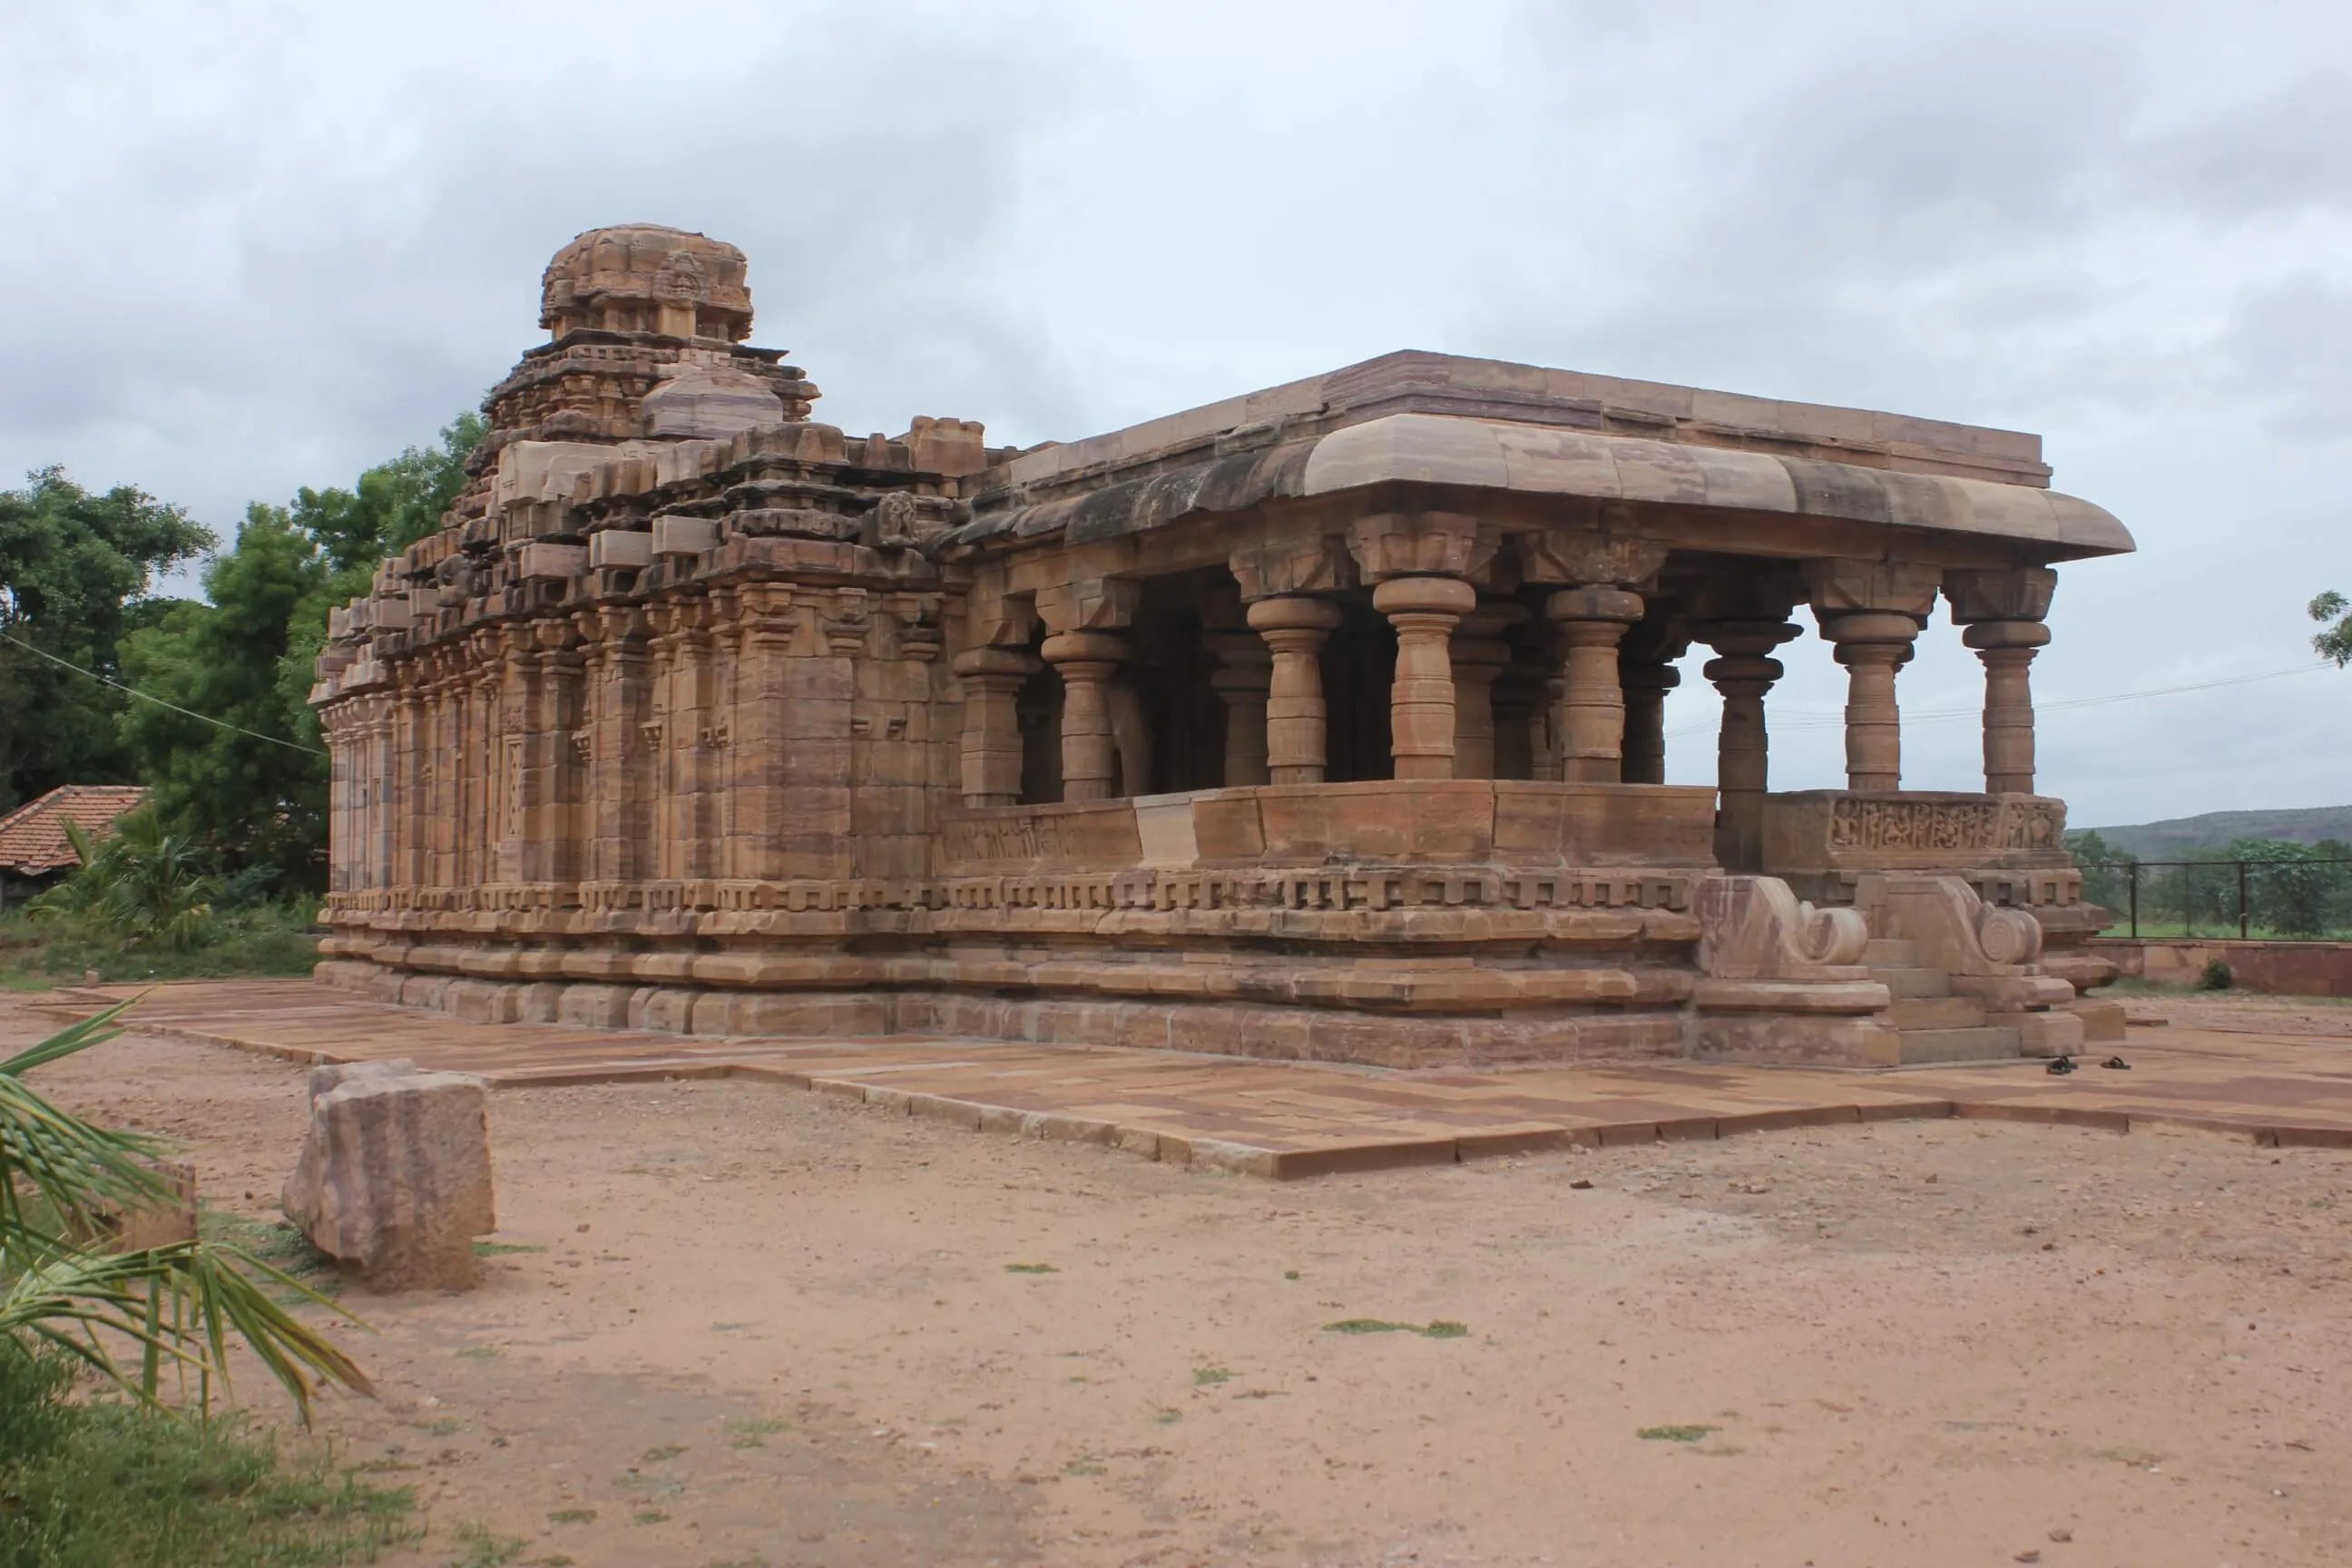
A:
x: 249, y: 248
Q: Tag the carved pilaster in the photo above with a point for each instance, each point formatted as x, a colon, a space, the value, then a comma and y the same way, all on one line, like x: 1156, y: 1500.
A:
x: 992, y: 679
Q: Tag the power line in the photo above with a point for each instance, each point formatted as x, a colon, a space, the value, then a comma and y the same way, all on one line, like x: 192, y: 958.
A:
x: 1821, y: 718
x: 143, y: 696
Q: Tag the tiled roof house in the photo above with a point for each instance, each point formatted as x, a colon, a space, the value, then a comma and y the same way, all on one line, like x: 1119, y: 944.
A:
x: 32, y: 840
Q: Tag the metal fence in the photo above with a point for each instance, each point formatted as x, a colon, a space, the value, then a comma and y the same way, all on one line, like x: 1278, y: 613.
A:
x: 2285, y: 900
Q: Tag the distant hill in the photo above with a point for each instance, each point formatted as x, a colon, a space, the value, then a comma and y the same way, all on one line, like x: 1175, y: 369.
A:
x: 2169, y: 840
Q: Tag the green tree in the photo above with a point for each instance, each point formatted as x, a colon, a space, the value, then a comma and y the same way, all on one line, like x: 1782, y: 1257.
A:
x: 392, y: 506
x: 76, y: 573
x: 2334, y: 612
x: 2291, y: 889
x: 257, y: 793
x: 251, y: 786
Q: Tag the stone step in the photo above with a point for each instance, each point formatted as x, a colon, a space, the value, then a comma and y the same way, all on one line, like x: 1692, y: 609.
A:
x: 1902, y: 983
x: 1891, y: 953
x: 1938, y: 1013
x: 1983, y: 1045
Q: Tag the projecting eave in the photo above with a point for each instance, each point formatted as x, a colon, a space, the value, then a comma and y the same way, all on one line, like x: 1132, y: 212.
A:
x: 1535, y: 459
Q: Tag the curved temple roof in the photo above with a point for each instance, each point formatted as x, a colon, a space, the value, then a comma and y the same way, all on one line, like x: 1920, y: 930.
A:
x: 1494, y: 454
x: 1420, y: 418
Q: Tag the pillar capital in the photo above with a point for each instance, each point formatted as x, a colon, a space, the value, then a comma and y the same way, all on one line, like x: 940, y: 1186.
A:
x: 2016, y: 593
x: 1865, y: 627
x: 1284, y: 562
x: 1422, y: 544
x: 1985, y: 635
x: 1083, y: 647
x: 1838, y: 588
x: 1587, y: 556
x: 1595, y: 604
x: 1427, y: 595
x: 1293, y: 613
x: 985, y: 662
x: 1096, y: 603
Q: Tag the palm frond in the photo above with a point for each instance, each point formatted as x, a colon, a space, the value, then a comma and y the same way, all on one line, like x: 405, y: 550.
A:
x: 60, y: 1292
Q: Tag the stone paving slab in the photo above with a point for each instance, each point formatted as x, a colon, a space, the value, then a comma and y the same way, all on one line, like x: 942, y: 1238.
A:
x: 1287, y: 1120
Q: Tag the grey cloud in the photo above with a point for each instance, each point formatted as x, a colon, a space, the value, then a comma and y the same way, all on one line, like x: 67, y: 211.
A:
x: 270, y: 245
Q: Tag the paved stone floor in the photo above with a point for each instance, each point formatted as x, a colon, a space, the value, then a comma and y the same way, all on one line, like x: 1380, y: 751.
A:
x: 1287, y: 1120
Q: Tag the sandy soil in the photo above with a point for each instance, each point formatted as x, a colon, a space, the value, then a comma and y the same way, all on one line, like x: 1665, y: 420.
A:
x: 2242, y: 1012
x: 766, y: 1326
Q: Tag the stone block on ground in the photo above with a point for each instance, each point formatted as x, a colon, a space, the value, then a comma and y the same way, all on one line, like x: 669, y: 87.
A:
x: 393, y: 1179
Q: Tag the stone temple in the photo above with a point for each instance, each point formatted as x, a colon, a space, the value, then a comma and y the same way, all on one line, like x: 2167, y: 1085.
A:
x: 1323, y: 722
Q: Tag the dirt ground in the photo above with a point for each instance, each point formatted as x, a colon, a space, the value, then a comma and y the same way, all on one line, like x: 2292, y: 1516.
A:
x: 760, y: 1325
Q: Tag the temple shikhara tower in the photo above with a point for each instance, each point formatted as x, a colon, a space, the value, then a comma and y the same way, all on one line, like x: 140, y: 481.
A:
x: 1322, y: 723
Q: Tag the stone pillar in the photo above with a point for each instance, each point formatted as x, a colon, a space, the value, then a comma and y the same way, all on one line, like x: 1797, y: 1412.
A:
x: 1294, y: 628
x: 2007, y: 649
x: 991, y: 679
x: 1873, y: 611
x: 1591, y: 724
x: 1245, y: 672
x: 1086, y: 661
x: 2004, y: 612
x: 1645, y: 686
x: 1743, y: 672
x: 1479, y: 656
x: 1872, y: 644
x: 1424, y: 611
x: 1645, y: 673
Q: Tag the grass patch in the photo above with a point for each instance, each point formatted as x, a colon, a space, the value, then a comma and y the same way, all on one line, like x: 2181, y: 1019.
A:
x: 1208, y: 1377
x: 1086, y: 1465
x: 502, y: 1249
x: 647, y: 1516
x: 1031, y: 1268
x: 1441, y: 1329
x: 756, y: 1426
x: 485, y: 1550
x: 657, y: 1455
x: 272, y: 938
x: 1674, y: 1434
x: 278, y: 1243
x: 96, y: 1484
x: 445, y: 1427
x: 571, y: 1516
x: 481, y: 1353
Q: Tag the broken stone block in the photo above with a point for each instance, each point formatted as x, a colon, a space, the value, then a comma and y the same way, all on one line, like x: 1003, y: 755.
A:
x: 395, y: 1174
